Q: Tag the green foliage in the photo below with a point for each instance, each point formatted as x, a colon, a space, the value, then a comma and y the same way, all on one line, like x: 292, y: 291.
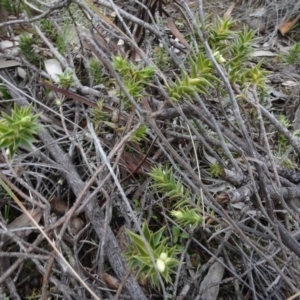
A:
x: 219, y: 33
x: 284, y: 121
x: 176, y: 235
x: 200, y: 78
x: 233, y: 49
x: 66, y: 79
x: 58, y: 39
x: 230, y: 48
x: 10, y: 5
x: 4, y: 93
x: 7, y: 211
x: 26, y: 45
x: 48, y: 28
x: 18, y: 130
x: 239, y: 52
x: 35, y: 294
x: 166, y: 182
x: 242, y: 46
x: 283, y: 145
x: 188, y: 217
x: 135, y: 78
x: 140, y: 134
x: 98, y: 115
x: 282, y: 142
x: 139, y: 259
x: 60, y: 43
x: 215, y: 170
x: 161, y: 58
x: 122, y: 65
x: 96, y: 71
x: 293, y: 56
x: 286, y: 162
x: 137, y: 205
x: 256, y: 77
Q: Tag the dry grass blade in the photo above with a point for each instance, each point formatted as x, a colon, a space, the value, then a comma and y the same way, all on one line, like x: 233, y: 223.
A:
x: 25, y: 221
x: 177, y: 33
x: 209, y: 287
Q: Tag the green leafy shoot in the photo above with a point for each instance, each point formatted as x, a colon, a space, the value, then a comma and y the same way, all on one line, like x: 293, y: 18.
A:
x: 26, y: 45
x: 140, y: 134
x: 188, y: 209
x: 59, y: 39
x: 166, y: 182
x: 4, y: 93
x: 242, y: 46
x: 188, y: 217
x: 220, y: 33
x: 256, y: 77
x: 18, y: 130
x: 293, y: 56
x: 61, y: 44
x: 161, y: 58
x: 139, y: 259
x: 10, y: 5
x: 98, y: 115
x: 198, y: 80
x: 282, y: 143
x: 215, y: 170
x: 177, y: 235
x: 66, y: 79
x: 48, y: 28
x: 96, y: 71
x: 135, y: 78
x: 239, y: 52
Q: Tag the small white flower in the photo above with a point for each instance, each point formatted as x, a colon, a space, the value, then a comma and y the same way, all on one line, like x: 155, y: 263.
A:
x: 57, y: 102
x: 220, y: 59
x: 161, y: 266
x: 177, y: 214
x: 163, y: 256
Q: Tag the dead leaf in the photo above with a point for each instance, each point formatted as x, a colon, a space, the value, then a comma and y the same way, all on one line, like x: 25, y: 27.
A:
x: 53, y: 68
x: 181, y: 12
x: 227, y: 14
x: 23, y: 221
x: 22, y: 73
x: 6, y: 44
x: 8, y: 63
x: 210, y: 284
x: 111, y: 282
x: 131, y: 161
x: 261, y: 53
x: 257, y: 19
x: 290, y: 83
x: 76, y: 225
x: 177, y: 34
x: 260, y: 12
x: 285, y: 27
x: 58, y: 206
